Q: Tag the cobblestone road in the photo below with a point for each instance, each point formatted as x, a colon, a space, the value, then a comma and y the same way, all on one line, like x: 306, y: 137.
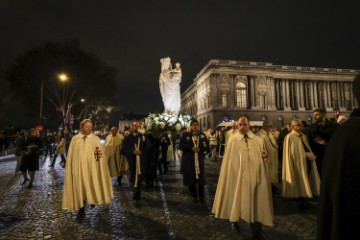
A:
x: 165, y: 211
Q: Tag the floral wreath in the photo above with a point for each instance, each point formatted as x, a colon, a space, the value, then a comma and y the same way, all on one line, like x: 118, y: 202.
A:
x: 159, y: 123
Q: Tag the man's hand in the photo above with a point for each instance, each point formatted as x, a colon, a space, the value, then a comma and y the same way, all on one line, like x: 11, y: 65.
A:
x: 137, y: 152
x: 196, y: 149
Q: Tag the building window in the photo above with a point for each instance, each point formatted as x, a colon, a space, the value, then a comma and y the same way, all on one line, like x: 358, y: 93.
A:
x: 224, y: 100
x: 241, y: 95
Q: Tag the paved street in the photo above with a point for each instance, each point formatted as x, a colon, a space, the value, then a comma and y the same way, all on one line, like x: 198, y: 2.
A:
x: 165, y: 211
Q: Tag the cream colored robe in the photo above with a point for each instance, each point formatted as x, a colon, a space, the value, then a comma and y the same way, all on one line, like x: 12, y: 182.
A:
x: 117, y: 162
x: 295, y: 179
x: 272, y: 151
x: 85, y: 177
x: 243, y: 190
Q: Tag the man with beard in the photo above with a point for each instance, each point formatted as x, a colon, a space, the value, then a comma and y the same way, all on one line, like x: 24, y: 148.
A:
x: 319, y: 135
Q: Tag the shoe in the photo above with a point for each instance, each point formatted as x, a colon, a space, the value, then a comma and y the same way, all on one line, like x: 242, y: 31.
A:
x: 30, y: 185
x: 136, y: 196
x: 235, y: 227
x: 257, y: 236
x: 92, y: 205
x: 25, y: 180
x: 275, y: 190
x: 119, y: 180
x: 81, y: 212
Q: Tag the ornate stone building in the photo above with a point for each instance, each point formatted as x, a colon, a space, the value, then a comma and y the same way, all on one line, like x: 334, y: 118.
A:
x: 223, y: 90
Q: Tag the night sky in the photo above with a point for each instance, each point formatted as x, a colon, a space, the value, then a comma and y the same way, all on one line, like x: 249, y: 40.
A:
x: 133, y: 35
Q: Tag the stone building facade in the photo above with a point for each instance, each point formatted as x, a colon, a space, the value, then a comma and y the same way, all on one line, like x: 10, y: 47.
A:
x: 223, y: 90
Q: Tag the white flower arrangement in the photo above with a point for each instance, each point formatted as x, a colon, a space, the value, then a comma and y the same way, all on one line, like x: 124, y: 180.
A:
x: 160, y: 123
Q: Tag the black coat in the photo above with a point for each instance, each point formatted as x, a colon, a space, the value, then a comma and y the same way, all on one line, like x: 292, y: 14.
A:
x: 188, y: 158
x: 128, y: 150
x: 30, y: 155
x: 323, y: 131
x: 152, y: 156
x: 339, y: 205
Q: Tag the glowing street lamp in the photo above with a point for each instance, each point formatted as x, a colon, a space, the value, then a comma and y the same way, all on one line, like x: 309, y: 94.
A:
x: 62, y: 77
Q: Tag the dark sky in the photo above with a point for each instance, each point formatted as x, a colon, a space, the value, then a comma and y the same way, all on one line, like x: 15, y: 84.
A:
x: 133, y: 35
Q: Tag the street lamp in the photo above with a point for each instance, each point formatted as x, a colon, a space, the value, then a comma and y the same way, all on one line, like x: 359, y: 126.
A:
x: 62, y: 77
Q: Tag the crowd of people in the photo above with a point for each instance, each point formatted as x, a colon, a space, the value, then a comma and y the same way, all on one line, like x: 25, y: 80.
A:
x: 255, y: 164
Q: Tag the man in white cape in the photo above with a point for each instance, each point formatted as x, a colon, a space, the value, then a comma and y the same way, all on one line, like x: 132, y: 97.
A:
x: 272, y: 151
x: 117, y: 162
x: 87, y: 173
x: 300, y: 177
x: 243, y: 190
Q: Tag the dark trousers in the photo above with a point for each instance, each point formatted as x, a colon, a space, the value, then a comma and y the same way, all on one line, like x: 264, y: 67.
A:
x: 49, y: 151
x: 63, y: 160
x: 196, y: 192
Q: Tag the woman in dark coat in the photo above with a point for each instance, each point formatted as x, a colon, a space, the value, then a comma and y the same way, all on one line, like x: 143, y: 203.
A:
x: 31, y: 147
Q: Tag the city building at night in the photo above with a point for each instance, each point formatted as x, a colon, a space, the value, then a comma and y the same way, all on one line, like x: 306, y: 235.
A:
x: 223, y: 90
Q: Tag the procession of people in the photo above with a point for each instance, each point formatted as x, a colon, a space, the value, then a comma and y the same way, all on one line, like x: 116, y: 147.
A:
x: 319, y: 160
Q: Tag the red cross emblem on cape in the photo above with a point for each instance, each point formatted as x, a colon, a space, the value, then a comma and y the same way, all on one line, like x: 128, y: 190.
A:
x: 97, y: 154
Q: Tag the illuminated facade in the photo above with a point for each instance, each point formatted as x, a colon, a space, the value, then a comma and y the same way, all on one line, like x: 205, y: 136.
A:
x: 223, y: 90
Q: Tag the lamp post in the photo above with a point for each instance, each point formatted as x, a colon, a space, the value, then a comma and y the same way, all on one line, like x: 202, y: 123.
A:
x: 41, y: 101
x: 61, y: 77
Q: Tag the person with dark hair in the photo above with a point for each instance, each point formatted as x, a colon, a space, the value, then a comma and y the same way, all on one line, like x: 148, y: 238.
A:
x: 18, y: 152
x: 194, y: 146
x: 87, y: 177
x: 339, y: 203
x: 60, y: 150
x: 243, y: 190
x: 319, y: 134
x: 31, y: 147
x: 135, y: 149
x: 49, y: 141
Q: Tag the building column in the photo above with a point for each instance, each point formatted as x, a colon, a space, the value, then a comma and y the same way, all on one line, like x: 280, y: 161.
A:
x: 302, y: 96
x: 316, y: 98
x: 352, y: 98
x: 271, y: 95
x: 298, y: 99
x: 287, y: 95
x: 278, y: 95
x: 254, y: 94
x: 329, y: 106
x: 339, y: 97
x: 312, y: 94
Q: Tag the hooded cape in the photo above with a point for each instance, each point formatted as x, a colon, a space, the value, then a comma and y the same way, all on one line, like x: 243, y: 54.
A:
x: 86, y: 177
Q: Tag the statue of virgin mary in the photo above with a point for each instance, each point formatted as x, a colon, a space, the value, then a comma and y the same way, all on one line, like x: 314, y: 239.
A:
x: 169, y: 82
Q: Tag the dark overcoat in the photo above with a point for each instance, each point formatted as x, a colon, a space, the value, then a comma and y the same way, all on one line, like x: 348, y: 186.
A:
x: 188, y: 158
x: 128, y: 150
x: 31, y: 150
x: 339, y: 203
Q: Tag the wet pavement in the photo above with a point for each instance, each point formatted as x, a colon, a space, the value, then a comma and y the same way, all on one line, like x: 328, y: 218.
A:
x: 166, y: 211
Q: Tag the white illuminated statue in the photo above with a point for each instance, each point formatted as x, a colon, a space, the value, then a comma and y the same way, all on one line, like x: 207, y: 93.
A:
x: 169, y: 82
